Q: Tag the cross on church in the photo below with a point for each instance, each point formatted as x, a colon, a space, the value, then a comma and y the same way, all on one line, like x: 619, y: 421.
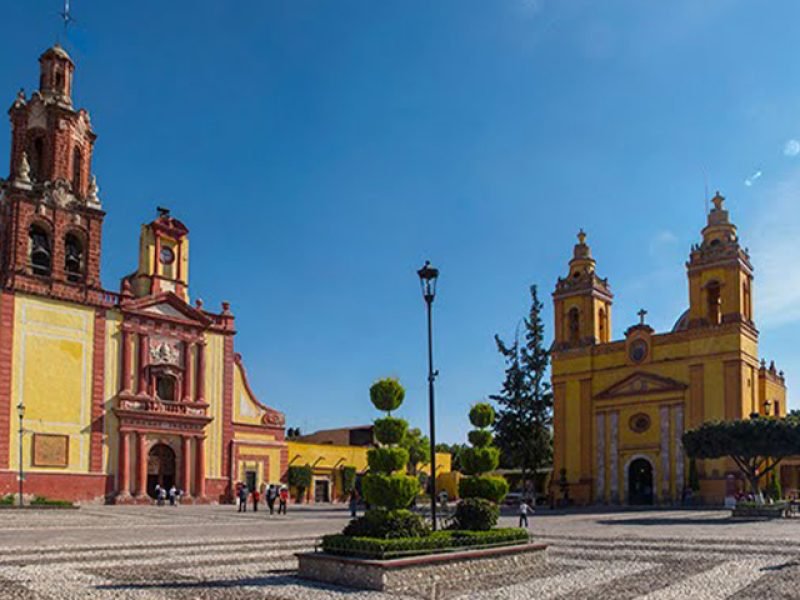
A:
x: 641, y: 314
x: 66, y: 16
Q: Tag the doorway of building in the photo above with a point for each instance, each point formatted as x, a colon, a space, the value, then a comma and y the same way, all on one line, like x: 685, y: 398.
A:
x: 640, y: 482
x: 322, y: 491
x: 160, y: 468
x: 250, y: 480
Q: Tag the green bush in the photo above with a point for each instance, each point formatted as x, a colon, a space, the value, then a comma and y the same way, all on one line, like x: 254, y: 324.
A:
x: 378, y: 523
x: 7, y: 500
x: 42, y: 501
x: 348, y: 479
x: 367, y: 547
x: 774, y: 490
x: 476, y: 514
x: 391, y: 492
x: 387, y: 460
x: 493, y: 489
x: 480, y: 438
x: 475, y: 461
x: 387, y: 394
x: 481, y: 415
x: 300, y: 477
x: 390, y: 430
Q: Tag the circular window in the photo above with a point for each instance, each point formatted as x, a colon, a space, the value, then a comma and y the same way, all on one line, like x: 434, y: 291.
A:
x: 638, y: 350
x: 167, y: 256
x: 639, y: 423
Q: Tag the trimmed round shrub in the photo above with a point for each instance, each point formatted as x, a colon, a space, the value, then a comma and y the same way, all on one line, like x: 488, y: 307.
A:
x: 387, y: 460
x: 493, y: 489
x: 481, y: 415
x: 387, y: 394
x: 475, y: 461
x: 378, y: 523
x: 476, y: 514
x: 390, y: 430
x: 300, y: 477
x: 391, y: 492
x: 480, y: 438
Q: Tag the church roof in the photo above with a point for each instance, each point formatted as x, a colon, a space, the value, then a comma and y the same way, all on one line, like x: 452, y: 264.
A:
x: 682, y: 324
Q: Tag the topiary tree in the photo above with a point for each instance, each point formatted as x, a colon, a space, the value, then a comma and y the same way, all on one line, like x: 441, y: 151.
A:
x: 479, y: 492
x: 300, y: 478
x: 348, y: 479
x: 386, y: 488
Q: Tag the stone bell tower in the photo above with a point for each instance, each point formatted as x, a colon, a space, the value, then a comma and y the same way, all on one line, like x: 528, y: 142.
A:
x: 51, y: 213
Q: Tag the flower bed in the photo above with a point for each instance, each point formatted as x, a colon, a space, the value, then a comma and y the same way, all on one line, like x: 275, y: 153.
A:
x: 438, y: 542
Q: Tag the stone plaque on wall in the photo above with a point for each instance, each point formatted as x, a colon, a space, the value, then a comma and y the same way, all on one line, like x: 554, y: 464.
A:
x: 50, y: 450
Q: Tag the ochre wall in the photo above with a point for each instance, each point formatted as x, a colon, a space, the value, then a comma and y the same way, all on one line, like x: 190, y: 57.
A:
x: 214, y: 398
x: 52, y: 376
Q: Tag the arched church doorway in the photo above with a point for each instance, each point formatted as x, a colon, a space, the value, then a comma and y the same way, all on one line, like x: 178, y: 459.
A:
x: 160, y: 468
x: 640, y: 482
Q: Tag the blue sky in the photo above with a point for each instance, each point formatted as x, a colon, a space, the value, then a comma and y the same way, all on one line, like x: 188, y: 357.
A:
x: 320, y: 151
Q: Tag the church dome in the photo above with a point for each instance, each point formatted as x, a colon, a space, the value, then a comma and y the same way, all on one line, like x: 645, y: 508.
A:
x: 682, y: 324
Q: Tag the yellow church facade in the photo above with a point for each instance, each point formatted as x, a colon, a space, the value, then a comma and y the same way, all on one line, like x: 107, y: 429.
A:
x: 621, y: 406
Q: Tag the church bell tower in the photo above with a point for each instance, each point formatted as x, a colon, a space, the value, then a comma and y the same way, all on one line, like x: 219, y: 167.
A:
x: 51, y: 213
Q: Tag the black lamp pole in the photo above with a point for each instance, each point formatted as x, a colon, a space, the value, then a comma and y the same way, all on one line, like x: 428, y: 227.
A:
x: 21, y: 413
x: 427, y: 278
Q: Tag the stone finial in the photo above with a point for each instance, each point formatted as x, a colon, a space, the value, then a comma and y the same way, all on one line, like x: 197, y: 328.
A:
x: 763, y: 363
x: 581, y: 236
x: 199, y: 304
x: 226, y: 308
x: 772, y: 366
x: 24, y: 171
x: 20, y: 99
x: 718, y: 200
x: 94, y: 190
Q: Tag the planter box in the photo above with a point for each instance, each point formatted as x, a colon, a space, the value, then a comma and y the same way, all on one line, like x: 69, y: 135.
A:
x: 430, y: 576
x: 766, y: 511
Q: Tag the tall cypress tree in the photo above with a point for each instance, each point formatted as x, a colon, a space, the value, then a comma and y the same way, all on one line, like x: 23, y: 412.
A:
x: 525, y: 401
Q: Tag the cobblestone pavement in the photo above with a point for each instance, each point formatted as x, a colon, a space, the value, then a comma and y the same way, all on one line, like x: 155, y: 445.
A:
x: 213, y: 553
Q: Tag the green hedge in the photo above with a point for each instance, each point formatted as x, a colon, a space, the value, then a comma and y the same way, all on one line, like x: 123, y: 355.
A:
x: 7, y: 500
x: 387, y: 460
x: 476, y: 514
x: 390, y: 430
x: 348, y: 479
x: 440, y: 541
x: 300, y: 477
x: 391, y: 492
x: 481, y: 415
x: 387, y: 394
x: 480, y: 438
x: 378, y: 523
x: 475, y: 461
x: 42, y: 501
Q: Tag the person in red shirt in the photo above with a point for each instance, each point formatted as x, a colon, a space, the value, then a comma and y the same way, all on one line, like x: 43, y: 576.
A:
x: 283, y: 499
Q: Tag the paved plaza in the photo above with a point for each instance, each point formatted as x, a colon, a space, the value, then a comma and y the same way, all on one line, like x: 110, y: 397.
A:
x: 212, y: 552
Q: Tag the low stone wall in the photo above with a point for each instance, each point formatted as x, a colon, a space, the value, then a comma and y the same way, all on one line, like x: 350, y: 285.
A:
x: 429, y: 576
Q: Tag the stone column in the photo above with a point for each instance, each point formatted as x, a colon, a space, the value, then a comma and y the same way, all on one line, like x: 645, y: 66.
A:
x: 141, y: 464
x: 665, y: 462
x: 677, y: 434
x: 144, y: 347
x: 126, y: 361
x: 600, y: 466
x: 613, y: 458
x: 200, y: 467
x: 201, y: 372
x: 124, y: 485
x: 188, y: 372
x: 186, y: 471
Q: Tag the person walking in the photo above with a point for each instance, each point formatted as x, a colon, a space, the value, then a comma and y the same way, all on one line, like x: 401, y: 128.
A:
x: 157, y: 495
x: 523, y: 513
x: 354, y: 503
x: 173, y: 496
x: 283, y: 499
x: 272, y: 495
x: 256, y: 499
x: 243, y: 498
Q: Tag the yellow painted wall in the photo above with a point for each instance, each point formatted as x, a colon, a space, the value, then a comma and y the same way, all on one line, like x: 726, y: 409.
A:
x: 113, y: 374
x: 215, y: 355
x: 52, y: 376
x: 245, y: 408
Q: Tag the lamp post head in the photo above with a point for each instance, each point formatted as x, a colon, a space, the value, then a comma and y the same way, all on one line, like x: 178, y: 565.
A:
x: 427, y: 279
x: 21, y: 410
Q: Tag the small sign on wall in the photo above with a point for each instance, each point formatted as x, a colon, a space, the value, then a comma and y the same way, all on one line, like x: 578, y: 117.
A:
x: 50, y: 450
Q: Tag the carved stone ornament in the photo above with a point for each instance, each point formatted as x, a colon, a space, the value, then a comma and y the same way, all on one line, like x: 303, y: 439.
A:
x: 24, y: 171
x: 163, y: 353
x: 59, y: 193
x: 93, y: 199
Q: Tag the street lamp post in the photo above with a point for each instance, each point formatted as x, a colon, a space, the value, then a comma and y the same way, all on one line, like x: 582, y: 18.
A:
x: 21, y: 413
x: 427, y: 278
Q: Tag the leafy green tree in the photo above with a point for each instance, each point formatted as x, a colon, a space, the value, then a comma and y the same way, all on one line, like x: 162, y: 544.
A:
x: 455, y: 451
x: 694, y: 480
x: 418, y: 447
x: 757, y: 446
x: 525, y: 401
x: 301, y: 478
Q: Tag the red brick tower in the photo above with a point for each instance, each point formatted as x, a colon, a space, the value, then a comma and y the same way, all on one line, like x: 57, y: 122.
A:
x: 51, y: 215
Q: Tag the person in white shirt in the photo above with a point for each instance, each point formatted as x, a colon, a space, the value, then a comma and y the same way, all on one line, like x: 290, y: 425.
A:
x: 523, y: 513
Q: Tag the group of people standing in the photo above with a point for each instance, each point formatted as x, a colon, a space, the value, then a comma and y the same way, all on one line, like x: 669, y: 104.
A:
x: 271, y: 494
x: 161, y: 494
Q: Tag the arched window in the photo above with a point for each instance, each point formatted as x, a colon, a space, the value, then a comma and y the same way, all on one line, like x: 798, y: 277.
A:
x: 714, y: 299
x: 165, y: 387
x: 73, y: 257
x: 77, y: 159
x: 39, y: 256
x: 59, y: 81
x: 574, y: 321
x: 602, y: 325
x: 36, y: 158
